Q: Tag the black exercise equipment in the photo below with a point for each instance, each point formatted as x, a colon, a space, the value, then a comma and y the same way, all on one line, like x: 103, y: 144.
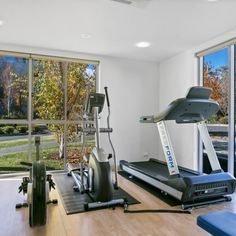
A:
x: 37, y: 187
x: 95, y: 178
x: 190, y: 187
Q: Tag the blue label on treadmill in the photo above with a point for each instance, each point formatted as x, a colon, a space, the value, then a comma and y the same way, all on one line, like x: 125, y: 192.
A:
x: 169, y: 157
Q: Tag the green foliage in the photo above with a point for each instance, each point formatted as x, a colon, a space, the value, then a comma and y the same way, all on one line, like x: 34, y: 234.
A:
x: 218, y: 119
x: 8, y: 129
x: 213, y: 119
x: 1, y: 130
x: 39, y: 128
x: 223, y: 120
x: 22, y: 129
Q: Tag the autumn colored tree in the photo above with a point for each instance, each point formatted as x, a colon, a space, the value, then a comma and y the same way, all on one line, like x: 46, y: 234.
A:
x: 219, y: 82
x: 13, y: 84
x: 223, y: 74
x: 6, y: 80
x: 19, y: 88
x: 50, y: 78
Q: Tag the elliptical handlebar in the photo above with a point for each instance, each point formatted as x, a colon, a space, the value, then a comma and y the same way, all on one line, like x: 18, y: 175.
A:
x: 107, y: 97
x: 109, y: 138
x: 94, y: 105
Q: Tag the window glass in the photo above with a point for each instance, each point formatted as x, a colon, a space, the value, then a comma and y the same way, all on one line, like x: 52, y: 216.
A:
x: 216, y: 76
x: 81, y: 80
x: 14, y: 72
x: 48, y: 89
x: 14, y: 147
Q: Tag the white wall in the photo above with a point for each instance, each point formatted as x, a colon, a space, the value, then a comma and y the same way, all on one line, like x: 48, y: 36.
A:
x: 177, y: 74
x: 133, y: 89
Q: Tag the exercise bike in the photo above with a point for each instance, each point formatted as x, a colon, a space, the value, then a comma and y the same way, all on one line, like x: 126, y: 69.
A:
x: 95, y: 177
x: 37, y: 187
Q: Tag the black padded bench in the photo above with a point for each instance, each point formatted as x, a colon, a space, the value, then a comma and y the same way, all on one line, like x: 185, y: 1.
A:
x: 220, y: 223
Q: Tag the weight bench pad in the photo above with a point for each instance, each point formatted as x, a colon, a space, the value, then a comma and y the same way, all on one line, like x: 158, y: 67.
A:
x: 220, y: 223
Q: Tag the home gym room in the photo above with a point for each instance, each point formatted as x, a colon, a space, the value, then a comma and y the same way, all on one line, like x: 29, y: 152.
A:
x: 117, y: 117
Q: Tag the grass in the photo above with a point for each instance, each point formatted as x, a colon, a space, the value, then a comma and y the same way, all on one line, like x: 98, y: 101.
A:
x: 22, y: 141
x: 12, y: 163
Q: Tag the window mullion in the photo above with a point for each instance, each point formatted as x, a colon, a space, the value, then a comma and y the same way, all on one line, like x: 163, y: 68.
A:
x: 65, y: 111
x: 231, y: 112
x: 200, y: 145
x: 30, y: 106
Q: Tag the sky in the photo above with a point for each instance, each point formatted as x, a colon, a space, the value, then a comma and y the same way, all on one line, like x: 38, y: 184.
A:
x: 217, y: 59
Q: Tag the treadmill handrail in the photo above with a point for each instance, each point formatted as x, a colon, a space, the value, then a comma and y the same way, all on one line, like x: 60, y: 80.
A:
x: 211, y: 153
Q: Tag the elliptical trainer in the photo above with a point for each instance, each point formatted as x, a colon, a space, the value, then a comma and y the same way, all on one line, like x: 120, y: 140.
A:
x: 95, y: 178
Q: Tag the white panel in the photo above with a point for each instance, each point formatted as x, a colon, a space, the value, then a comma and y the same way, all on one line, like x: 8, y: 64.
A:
x: 133, y: 89
x: 176, y: 76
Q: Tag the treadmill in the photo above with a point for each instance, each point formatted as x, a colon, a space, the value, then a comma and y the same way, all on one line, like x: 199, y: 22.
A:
x: 190, y: 187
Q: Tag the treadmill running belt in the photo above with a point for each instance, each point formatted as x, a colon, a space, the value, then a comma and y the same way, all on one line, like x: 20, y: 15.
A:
x: 151, y: 189
x: 156, y: 169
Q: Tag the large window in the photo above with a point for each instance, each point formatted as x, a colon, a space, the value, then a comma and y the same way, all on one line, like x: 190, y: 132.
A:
x: 217, y: 68
x: 41, y: 96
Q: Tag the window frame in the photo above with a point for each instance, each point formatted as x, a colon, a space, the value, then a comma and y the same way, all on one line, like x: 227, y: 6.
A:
x: 231, y: 129
x: 30, y: 120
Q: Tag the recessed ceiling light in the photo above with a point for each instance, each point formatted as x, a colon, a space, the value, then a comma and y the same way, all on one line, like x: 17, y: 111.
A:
x: 123, y: 1
x: 142, y: 44
x: 212, y: 0
x: 1, y: 22
x: 85, y: 36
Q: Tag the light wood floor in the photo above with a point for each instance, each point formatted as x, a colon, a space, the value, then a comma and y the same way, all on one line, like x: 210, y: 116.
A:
x: 102, y: 222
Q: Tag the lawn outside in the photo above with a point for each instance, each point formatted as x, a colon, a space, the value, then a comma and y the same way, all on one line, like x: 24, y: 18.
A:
x: 15, y: 150
x: 12, y: 141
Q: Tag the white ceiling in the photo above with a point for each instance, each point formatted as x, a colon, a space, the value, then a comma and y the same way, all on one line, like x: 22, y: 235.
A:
x: 171, y: 26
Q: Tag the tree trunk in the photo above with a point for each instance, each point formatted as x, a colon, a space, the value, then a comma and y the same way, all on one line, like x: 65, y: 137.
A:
x: 61, y: 147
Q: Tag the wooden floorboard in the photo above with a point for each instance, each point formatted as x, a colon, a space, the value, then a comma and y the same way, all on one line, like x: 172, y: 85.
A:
x: 103, y: 222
